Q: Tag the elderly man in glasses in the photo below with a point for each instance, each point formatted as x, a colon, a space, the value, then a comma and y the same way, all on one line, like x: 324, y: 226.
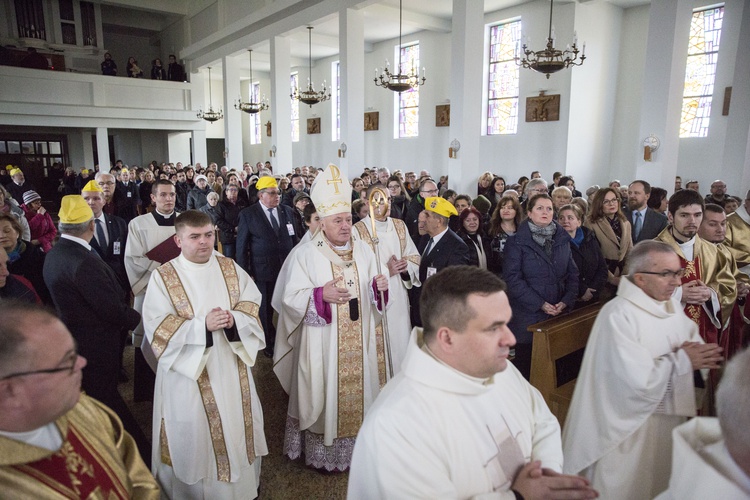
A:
x: 636, y: 382
x: 54, y: 441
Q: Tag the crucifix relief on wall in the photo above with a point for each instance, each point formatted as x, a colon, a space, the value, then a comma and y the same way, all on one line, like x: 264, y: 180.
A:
x: 543, y: 108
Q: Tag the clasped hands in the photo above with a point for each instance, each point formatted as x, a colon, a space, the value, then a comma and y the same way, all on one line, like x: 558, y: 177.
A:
x: 333, y: 293
x: 695, y: 292
x: 533, y: 482
x: 218, y: 319
x: 548, y: 308
x: 703, y: 355
x: 396, y: 266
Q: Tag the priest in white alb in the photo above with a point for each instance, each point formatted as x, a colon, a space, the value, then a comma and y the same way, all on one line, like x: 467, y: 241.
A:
x: 338, y: 356
x: 399, y: 254
x: 459, y: 420
x: 636, y: 381
x: 201, y: 321
x: 145, y: 233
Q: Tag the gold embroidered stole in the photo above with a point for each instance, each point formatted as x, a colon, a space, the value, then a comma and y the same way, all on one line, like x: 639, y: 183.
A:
x: 76, y: 470
x: 351, y: 348
x: 169, y: 326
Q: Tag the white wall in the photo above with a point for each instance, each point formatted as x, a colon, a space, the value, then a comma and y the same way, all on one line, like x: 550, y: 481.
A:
x: 593, y: 84
x: 179, y: 147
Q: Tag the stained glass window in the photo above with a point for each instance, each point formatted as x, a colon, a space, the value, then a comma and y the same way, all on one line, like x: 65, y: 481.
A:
x: 293, y: 84
x: 336, y: 102
x: 255, y: 117
x: 700, y: 73
x: 504, y: 73
x: 408, y: 102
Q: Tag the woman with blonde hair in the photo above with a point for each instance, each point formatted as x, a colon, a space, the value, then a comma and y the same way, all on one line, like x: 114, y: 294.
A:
x: 484, y: 182
x: 613, y: 231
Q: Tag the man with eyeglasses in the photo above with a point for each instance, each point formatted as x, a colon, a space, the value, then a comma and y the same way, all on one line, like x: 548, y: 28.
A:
x: 115, y: 202
x: 636, y: 382
x: 428, y: 188
x: 265, y: 236
x: 54, y: 439
x: 533, y: 187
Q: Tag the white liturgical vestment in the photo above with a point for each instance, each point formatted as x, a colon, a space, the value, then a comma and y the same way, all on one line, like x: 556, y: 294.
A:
x: 208, y: 422
x: 435, y: 432
x: 702, y: 466
x: 635, y: 386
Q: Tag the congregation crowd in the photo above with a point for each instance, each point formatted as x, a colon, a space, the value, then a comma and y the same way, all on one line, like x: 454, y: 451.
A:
x: 390, y: 305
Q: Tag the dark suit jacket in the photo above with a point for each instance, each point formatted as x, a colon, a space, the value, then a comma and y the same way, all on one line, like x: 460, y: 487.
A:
x: 89, y: 300
x: 653, y: 224
x: 260, y: 251
x: 117, y: 231
x: 449, y: 251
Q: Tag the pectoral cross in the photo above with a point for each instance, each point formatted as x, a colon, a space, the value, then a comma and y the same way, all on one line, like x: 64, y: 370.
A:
x: 350, y: 283
x: 335, y: 178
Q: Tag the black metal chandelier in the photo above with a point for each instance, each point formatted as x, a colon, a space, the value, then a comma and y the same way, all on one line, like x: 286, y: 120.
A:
x: 551, y: 60
x: 310, y: 96
x: 399, y: 82
x: 210, y: 115
x: 255, y: 103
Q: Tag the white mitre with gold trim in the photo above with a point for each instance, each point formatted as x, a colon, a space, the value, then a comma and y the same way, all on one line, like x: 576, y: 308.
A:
x: 331, y: 193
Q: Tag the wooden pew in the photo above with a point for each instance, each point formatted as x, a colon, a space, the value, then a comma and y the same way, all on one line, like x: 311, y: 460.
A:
x: 557, y: 352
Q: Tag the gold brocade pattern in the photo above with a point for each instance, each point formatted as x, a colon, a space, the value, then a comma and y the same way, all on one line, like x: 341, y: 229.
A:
x: 247, y: 410
x: 231, y: 279
x: 692, y: 273
x: 215, y: 427
x: 380, y: 346
x: 364, y: 234
x: 166, y: 458
x: 176, y: 291
x: 249, y: 308
x: 164, y: 332
x: 351, y: 365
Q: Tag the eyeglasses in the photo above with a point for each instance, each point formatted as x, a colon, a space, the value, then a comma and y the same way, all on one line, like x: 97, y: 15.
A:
x: 394, y: 186
x: 665, y: 274
x: 107, y: 183
x: 273, y: 193
x: 430, y: 191
x: 609, y: 202
x: 73, y: 359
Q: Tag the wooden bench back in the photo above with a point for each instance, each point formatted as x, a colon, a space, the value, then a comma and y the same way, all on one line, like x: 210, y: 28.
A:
x: 554, y: 339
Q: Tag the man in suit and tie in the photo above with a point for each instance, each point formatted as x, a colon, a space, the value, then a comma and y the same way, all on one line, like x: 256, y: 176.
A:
x: 265, y: 236
x: 646, y: 222
x: 440, y: 248
x: 110, y: 234
x: 90, y: 301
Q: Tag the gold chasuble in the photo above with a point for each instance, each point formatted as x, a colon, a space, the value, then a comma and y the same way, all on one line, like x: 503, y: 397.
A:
x: 97, y: 460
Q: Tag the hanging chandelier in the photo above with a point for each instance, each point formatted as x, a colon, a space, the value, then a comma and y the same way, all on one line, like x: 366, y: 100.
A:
x: 310, y: 96
x: 551, y: 60
x: 210, y: 115
x: 254, y: 105
x: 399, y: 82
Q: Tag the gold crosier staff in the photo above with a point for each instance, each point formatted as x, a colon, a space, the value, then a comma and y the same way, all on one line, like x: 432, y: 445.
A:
x: 379, y: 199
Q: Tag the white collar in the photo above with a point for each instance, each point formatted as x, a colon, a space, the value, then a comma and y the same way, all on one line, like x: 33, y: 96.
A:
x: 78, y: 240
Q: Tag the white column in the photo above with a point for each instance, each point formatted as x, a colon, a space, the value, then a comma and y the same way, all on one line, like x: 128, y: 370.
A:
x: 232, y: 117
x: 664, y: 77
x: 352, y: 70
x: 467, y: 39
x: 88, y: 149
x: 102, y: 147
x: 200, y: 155
x: 281, y: 110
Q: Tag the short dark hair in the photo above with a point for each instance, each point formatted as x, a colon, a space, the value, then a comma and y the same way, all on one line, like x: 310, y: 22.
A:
x: 535, y: 199
x: 12, y: 337
x: 713, y: 207
x: 646, y: 185
x: 444, y: 297
x: 308, y: 212
x: 656, y: 196
x: 191, y: 218
x: 684, y: 198
x: 160, y: 182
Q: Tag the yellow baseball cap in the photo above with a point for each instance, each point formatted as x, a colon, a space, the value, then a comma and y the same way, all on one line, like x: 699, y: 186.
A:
x: 75, y: 210
x: 15, y: 171
x: 440, y: 206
